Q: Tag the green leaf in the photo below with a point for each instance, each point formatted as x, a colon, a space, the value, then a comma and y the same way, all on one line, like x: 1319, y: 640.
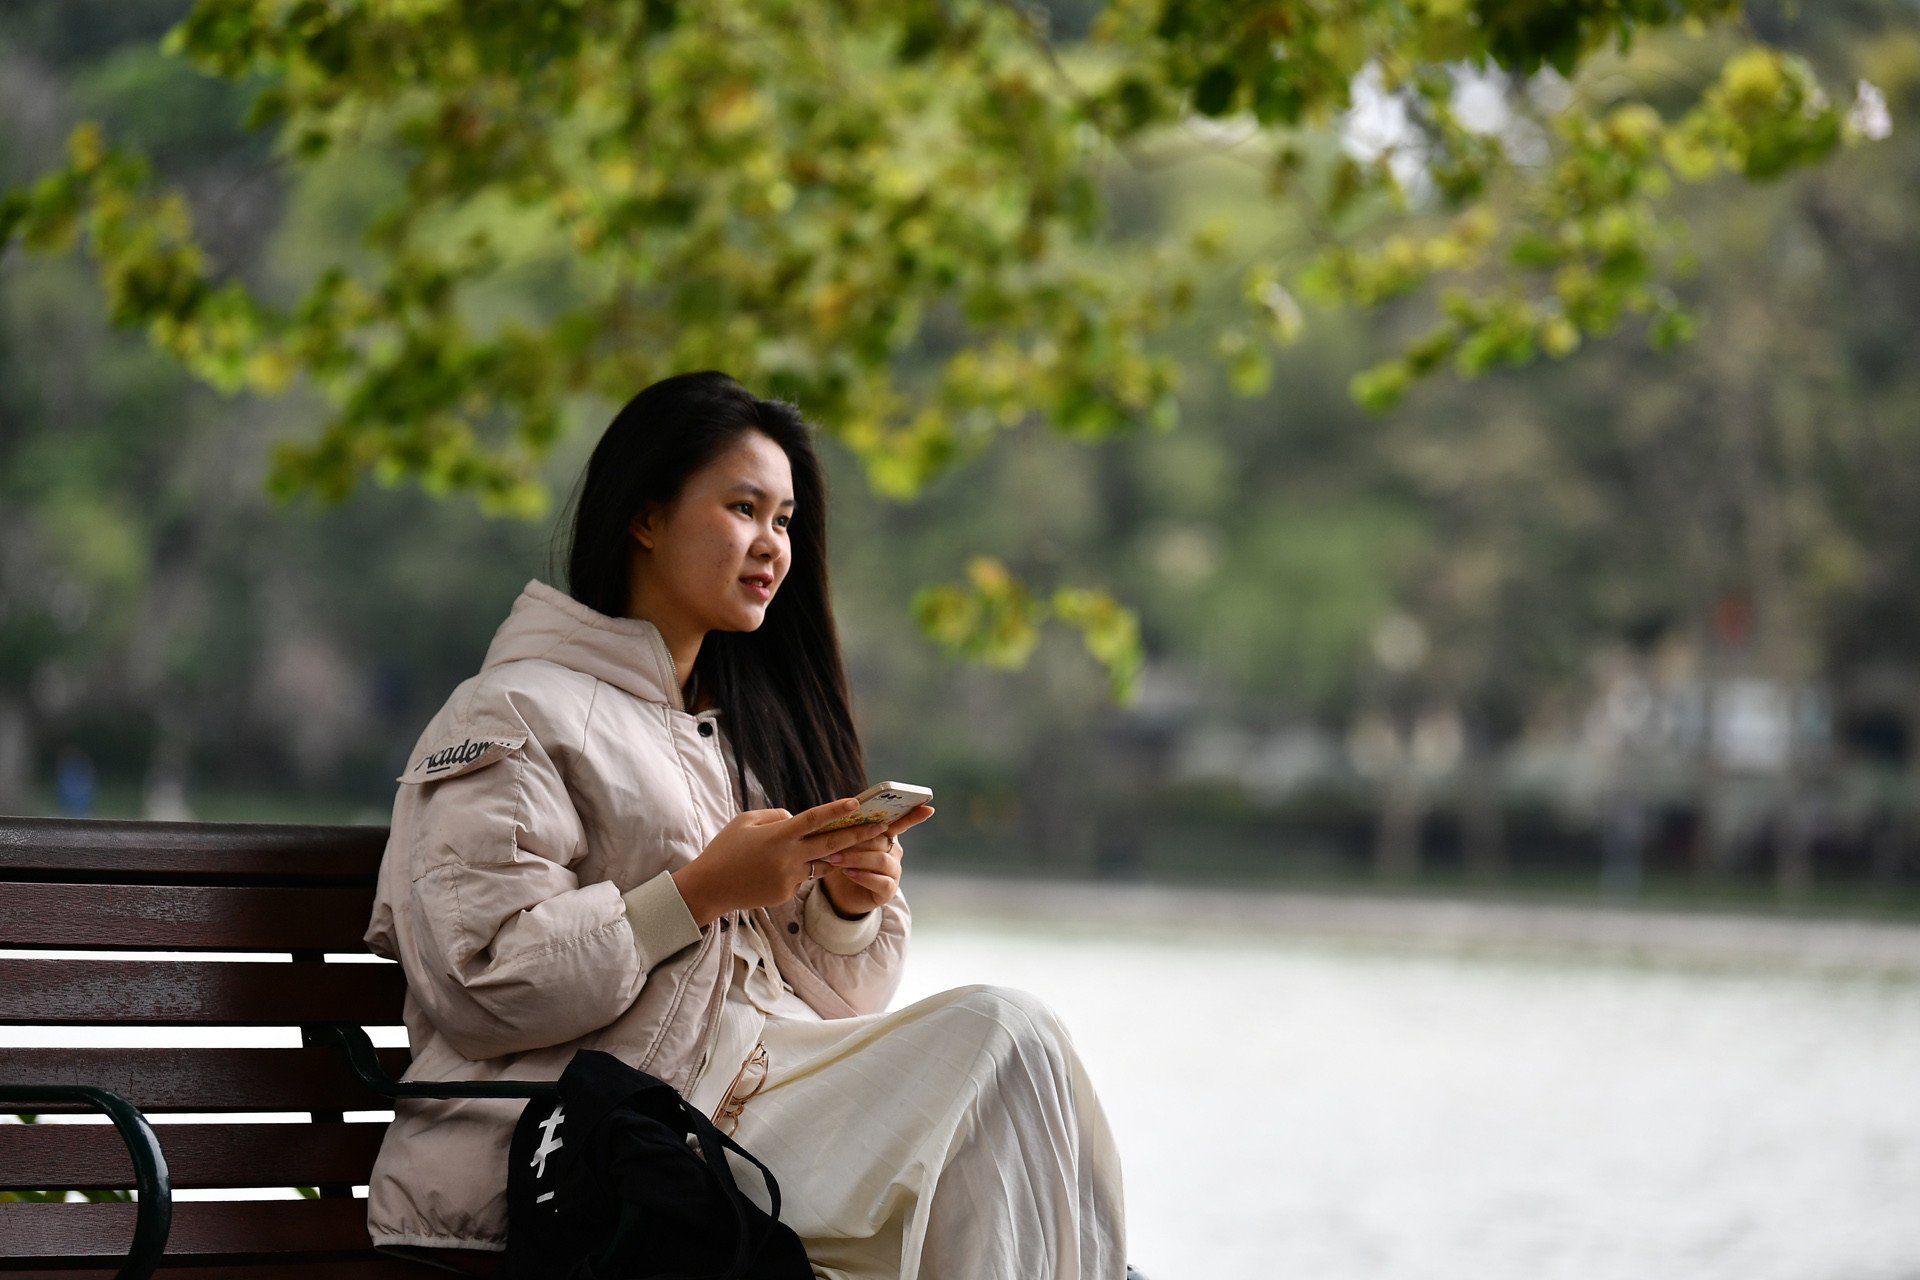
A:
x: 1382, y: 387
x: 1670, y: 328
x: 1111, y: 632
x: 991, y: 619
x: 1216, y: 89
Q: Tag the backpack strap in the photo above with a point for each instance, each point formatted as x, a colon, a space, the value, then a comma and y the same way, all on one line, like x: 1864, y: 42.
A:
x: 714, y: 1145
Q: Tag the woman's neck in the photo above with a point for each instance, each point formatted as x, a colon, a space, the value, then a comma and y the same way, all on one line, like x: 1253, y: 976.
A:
x: 682, y: 643
x: 685, y: 651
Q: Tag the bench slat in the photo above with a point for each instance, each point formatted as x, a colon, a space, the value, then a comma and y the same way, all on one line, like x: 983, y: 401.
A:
x: 162, y: 1080
x: 125, y: 852
x: 68, y: 992
x: 183, y: 917
x: 228, y: 1239
x: 371, y: 1267
x: 230, y: 1231
x: 92, y: 1157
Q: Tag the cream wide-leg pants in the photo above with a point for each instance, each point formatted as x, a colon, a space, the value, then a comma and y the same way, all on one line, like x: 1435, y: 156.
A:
x: 956, y: 1139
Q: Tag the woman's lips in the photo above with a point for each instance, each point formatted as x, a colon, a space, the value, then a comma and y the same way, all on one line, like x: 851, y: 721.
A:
x: 761, y: 588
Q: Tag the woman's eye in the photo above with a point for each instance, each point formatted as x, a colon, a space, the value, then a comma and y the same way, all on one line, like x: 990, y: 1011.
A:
x: 745, y: 507
x: 782, y: 521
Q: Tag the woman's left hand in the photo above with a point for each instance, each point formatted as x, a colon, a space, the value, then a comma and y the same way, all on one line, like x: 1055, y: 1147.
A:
x: 867, y: 875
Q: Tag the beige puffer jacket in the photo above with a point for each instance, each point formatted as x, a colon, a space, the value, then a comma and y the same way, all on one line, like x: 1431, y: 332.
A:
x: 525, y: 890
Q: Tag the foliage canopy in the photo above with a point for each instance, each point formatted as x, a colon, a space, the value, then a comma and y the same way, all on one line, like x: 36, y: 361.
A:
x: 899, y: 214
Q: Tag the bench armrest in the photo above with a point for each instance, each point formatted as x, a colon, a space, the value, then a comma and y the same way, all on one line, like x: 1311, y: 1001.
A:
x: 365, y: 1064
x: 153, y: 1217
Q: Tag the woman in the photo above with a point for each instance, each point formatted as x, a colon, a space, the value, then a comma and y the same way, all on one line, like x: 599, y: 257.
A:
x: 607, y: 839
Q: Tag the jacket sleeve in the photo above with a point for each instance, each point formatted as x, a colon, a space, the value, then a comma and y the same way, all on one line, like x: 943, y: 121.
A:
x: 506, y: 950
x: 861, y: 960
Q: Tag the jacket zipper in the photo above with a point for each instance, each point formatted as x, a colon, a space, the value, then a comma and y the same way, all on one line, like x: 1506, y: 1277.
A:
x: 716, y: 1007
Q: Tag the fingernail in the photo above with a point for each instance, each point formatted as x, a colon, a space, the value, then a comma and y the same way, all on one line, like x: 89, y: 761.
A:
x: 836, y: 859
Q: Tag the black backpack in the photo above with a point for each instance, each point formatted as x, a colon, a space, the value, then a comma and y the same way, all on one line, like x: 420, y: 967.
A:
x: 602, y: 1184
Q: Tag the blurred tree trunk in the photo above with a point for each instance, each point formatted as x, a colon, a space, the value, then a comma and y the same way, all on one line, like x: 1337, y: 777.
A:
x: 1623, y: 839
x: 1900, y: 848
x: 169, y: 768
x: 16, y: 754
x: 1757, y: 438
x: 1712, y: 834
x: 1051, y: 819
x: 1793, y: 846
x: 1398, y: 826
x: 1483, y: 819
x: 1892, y: 836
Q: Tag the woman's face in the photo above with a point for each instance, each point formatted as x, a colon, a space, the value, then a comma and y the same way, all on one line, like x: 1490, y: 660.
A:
x: 712, y: 559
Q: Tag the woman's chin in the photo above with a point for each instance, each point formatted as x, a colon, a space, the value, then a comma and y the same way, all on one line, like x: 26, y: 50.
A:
x: 745, y: 620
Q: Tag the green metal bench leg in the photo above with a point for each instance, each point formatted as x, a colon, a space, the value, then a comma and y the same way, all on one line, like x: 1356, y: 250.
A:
x: 154, y: 1213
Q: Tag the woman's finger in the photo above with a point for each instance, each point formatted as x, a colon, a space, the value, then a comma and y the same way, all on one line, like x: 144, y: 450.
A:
x: 880, y: 859
x: 847, y: 837
x: 881, y: 887
x: 910, y: 819
x: 760, y: 817
x: 879, y: 843
x: 809, y: 821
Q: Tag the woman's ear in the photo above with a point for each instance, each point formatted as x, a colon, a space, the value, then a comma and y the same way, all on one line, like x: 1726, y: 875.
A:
x: 641, y: 526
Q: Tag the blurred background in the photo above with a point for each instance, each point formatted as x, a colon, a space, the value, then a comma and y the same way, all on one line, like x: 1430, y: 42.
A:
x: 1631, y: 624
x: 1556, y: 646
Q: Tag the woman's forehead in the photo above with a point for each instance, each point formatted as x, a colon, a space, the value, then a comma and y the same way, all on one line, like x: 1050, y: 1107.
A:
x: 755, y: 465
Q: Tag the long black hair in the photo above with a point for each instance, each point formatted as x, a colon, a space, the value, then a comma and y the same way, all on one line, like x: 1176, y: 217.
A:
x: 781, y: 689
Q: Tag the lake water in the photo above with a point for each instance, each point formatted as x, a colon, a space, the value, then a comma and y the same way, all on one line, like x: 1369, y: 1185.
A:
x: 1340, y: 1110
x: 1370, y: 1089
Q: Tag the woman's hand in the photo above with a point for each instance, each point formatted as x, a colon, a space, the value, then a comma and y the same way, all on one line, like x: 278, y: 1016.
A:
x: 866, y: 875
x: 762, y: 857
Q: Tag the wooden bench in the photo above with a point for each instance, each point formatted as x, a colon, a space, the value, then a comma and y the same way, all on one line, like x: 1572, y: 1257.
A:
x: 287, y: 896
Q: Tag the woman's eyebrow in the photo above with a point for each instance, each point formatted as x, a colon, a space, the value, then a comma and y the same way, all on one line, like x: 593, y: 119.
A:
x: 755, y: 492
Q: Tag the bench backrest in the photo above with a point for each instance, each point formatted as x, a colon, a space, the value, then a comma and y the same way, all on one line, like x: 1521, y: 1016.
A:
x: 273, y: 902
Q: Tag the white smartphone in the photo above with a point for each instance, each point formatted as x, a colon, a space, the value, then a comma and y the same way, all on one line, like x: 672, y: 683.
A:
x: 883, y: 802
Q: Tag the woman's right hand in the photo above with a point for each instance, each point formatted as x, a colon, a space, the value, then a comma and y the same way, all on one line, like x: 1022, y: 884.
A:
x: 760, y: 858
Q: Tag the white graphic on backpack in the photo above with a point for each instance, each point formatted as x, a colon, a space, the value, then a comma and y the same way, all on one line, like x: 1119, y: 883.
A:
x: 550, y: 1142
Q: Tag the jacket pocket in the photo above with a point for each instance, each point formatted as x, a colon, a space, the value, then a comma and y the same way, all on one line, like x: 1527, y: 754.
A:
x: 451, y: 759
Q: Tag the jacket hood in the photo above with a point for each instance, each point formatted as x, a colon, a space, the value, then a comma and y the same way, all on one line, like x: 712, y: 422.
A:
x: 550, y: 625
